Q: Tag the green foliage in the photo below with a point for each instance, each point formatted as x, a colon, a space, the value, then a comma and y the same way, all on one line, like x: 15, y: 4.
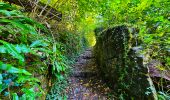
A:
x: 23, y: 47
x: 11, y: 49
x: 72, y: 43
x: 13, y: 70
x: 163, y: 96
x: 58, y: 91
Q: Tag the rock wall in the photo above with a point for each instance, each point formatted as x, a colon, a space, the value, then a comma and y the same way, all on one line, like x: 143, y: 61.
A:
x: 121, y: 64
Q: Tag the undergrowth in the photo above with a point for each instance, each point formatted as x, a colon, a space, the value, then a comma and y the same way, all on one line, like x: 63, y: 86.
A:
x: 27, y: 49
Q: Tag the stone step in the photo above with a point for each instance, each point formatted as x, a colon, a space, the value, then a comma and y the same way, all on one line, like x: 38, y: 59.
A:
x: 84, y: 74
x: 87, y: 57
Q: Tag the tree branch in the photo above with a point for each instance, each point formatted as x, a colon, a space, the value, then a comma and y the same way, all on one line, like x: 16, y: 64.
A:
x: 40, y: 7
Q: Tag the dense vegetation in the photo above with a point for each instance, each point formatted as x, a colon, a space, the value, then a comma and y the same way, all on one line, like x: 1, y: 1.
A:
x: 28, y: 46
x: 25, y: 46
x: 33, y: 44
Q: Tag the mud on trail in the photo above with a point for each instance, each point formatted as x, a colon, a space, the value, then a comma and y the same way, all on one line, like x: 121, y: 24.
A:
x: 84, y: 82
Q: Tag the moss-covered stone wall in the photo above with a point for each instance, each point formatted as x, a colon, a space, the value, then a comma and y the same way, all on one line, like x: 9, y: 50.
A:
x: 121, y: 64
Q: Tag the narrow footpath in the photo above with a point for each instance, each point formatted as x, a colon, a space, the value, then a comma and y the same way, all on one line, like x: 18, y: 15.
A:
x: 85, y: 83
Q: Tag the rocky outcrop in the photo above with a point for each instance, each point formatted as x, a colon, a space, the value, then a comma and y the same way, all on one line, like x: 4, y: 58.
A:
x: 121, y: 64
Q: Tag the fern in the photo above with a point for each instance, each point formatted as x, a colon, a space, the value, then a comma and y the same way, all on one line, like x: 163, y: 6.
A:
x: 17, y: 32
x: 12, y: 50
x: 5, y: 6
x: 38, y: 43
x: 11, y: 69
x: 22, y: 45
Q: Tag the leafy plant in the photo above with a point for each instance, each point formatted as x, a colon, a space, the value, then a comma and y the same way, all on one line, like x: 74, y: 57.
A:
x: 22, y: 46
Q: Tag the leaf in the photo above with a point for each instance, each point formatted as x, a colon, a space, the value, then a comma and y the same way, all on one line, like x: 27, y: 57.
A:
x: 1, y: 78
x: 43, y: 50
x: 23, y: 97
x: 10, y: 13
x: 16, y: 13
x: 23, y: 79
x: 7, y: 81
x: 2, y: 49
x: 3, y: 87
x: 33, y: 23
x: 12, y: 50
x: 38, y: 43
x: 29, y: 93
x: 5, y: 12
x: 57, y: 66
x: 5, y: 6
x: 15, y: 96
x: 30, y: 29
x: 54, y: 48
x: 26, y: 28
x: 11, y: 69
x: 22, y: 48
x: 19, y: 48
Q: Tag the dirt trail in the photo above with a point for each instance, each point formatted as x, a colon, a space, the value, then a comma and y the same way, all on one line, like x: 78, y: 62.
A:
x: 85, y: 83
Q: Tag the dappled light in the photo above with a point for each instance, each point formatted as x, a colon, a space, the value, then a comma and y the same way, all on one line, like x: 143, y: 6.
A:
x: 91, y: 38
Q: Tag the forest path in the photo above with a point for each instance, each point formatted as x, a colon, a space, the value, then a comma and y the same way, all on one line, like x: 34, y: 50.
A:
x: 85, y: 83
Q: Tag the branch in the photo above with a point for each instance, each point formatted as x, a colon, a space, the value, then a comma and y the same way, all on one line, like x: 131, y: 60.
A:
x: 28, y: 5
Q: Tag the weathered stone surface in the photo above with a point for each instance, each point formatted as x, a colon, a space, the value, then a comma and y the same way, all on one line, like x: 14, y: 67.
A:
x: 121, y: 64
